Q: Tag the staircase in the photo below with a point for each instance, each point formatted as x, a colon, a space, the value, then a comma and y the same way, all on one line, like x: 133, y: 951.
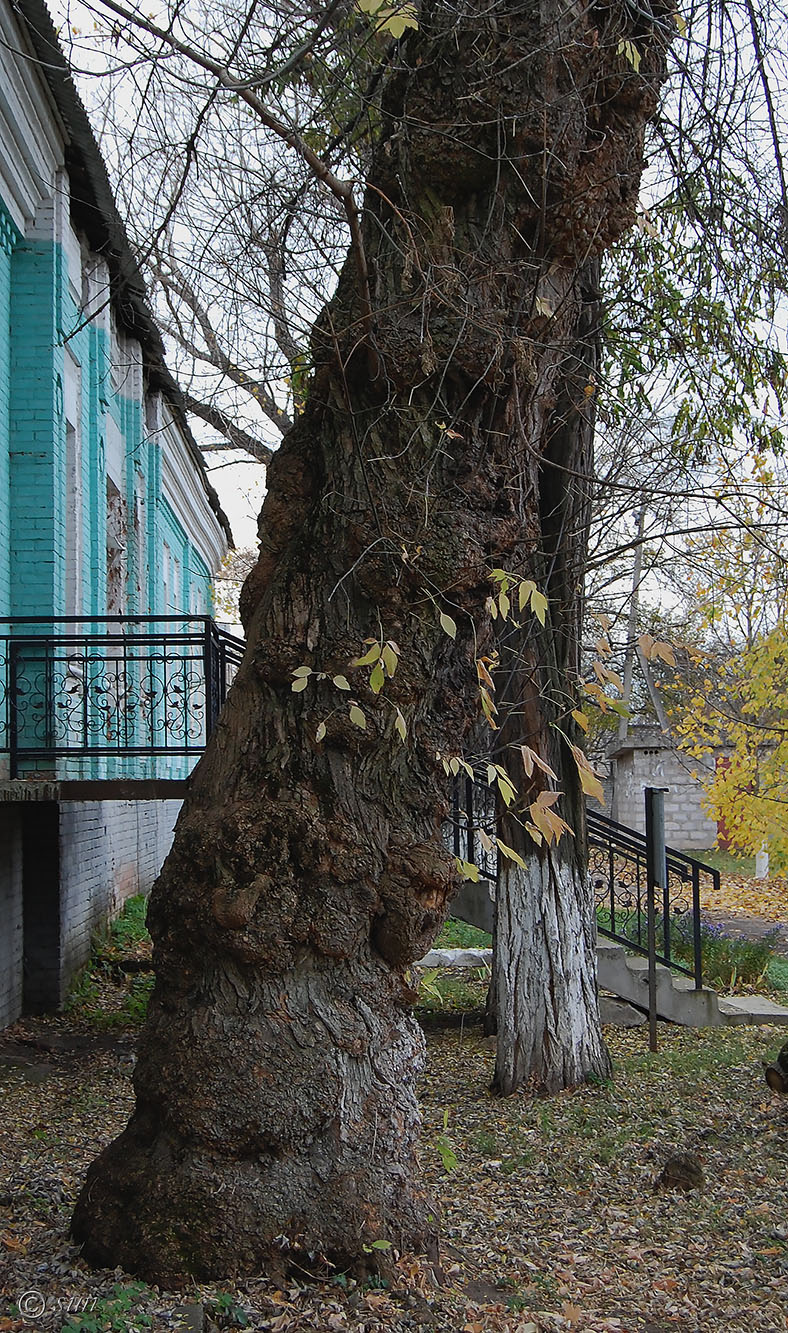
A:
x: 620, y: 973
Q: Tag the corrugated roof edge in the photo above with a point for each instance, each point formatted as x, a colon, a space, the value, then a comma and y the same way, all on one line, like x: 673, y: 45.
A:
x: 95, y: 213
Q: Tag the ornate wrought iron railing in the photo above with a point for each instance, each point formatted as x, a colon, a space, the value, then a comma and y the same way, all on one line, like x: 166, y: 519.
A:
x: 618, y: 875
x: 92, y: 686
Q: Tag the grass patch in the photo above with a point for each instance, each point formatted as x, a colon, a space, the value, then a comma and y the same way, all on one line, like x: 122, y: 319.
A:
x: 777, y: 974
x: 128, y: 933
x: 444, y: 991
x: 100, y: 994
x: 459, y: 935
x: 728, y: 964
x: 725, y: 862
x: 106, y: 1004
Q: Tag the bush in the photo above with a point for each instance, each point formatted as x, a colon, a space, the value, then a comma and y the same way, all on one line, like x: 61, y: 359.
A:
x: 729, y: 964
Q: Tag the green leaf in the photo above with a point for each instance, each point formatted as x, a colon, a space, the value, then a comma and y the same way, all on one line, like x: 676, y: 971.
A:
x: 368, y: 658
x: 400, y: 726
x: 376, y: 678
x: 390, y: 659
x: 357, y: 717
x: 381, y: 1245
x: 302, y: 671
x: 448, y: 625
x: 341, y: 682
x: 299, y: 684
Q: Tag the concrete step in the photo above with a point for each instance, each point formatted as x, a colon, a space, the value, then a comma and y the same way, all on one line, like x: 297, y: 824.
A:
x: 752, y: 1009
x: 626, y: 976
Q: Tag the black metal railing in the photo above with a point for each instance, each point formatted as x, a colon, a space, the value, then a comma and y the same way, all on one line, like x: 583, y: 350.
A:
x: 91, y: 686
x: 618, y: 870
x: 618, y: 875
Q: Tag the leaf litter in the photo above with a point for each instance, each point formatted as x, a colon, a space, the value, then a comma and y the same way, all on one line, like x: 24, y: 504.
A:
x: 548, y: 1214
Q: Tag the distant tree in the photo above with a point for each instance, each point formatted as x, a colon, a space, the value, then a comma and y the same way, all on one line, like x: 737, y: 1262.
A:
x: 729, y: 699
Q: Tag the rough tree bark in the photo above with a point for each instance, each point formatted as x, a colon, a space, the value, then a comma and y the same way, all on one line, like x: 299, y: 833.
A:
x: 543, y: 996
x: 276, y: 1119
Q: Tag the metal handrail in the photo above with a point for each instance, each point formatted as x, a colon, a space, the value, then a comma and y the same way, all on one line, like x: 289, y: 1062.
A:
x: 128, y: 685
x: 617, y: 871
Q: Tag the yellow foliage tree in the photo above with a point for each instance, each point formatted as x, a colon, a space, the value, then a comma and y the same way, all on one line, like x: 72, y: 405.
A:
x: 731, y: 699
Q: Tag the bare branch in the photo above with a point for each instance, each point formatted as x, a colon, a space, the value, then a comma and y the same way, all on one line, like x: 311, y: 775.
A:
x: 236, y: 437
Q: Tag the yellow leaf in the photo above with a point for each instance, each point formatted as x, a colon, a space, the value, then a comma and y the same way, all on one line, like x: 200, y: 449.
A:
x: 302, y: 671
x: 454, y: 765
x: 377, y: 678
x: 646, y: 645
x: 320, y: 733
x: 525, y: 592
x: 400, y: 726
x: 531, y: 758
x: 681, y: 26
x: 539, y: 605
x: 341, y: 682
x: 632, y: 54
x: 448, y: 626
x: 488, y: 707
x: 507, y: 790
x: 503, y: 605
x: 397, y: 25
x: 510, y: 853
x: 485, y: 840
x: 390, y: 658
x: 534, y: 832
x: 299, y: 684
x: 357, y: 717
x: 591, y: 785
x: 467, y: 869
x: 580, y: 718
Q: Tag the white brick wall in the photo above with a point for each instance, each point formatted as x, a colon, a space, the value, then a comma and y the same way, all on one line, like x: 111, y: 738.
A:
x: 687, y: 826
x: 11, y: 938
x: 109, y: 850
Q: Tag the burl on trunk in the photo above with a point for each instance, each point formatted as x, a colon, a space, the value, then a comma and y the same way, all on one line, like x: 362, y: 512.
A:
x: 276, y: 1118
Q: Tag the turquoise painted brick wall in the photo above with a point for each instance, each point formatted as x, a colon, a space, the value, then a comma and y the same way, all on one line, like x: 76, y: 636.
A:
x: 9, y: 238
x: 49, y: 358
x: 37, y: 432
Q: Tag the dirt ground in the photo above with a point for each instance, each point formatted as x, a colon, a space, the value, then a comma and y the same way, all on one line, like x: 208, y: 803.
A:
x: 550, y: 1219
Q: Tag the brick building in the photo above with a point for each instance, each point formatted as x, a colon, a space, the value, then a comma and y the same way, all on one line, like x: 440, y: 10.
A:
x: 105, y: 515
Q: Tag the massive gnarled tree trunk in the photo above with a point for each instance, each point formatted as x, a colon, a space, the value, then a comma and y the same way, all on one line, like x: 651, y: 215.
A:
x: 276, y: 1118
